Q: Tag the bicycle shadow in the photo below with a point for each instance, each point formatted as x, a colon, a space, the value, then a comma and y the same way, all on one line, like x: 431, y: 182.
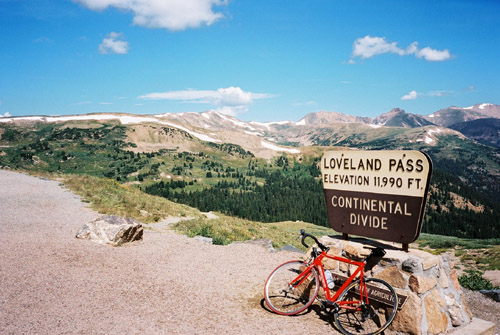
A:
x: 314, y: 308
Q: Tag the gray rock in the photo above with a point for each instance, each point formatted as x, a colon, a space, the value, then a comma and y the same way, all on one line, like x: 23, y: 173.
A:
x: 112, y: 230
x: 454, y: 311
x: 291, y: 248
x: 493, y: 276
x: 492, y: 294
x: 204, y: 239
x: 411, y: 265
x: 266, y: 243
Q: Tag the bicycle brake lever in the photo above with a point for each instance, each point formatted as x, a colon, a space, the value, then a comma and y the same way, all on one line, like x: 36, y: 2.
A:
x: 302, y: 232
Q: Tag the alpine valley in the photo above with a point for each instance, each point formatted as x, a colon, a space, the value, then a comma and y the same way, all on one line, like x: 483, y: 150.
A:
x: 268, y: 171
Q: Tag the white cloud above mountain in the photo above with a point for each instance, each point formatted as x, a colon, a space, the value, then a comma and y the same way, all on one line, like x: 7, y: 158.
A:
x: 413, y: 95
x: 231, y: 100
x: 114, y: 44
x: 168, y: 14
x: 410, y: 96
x: 368, y: 47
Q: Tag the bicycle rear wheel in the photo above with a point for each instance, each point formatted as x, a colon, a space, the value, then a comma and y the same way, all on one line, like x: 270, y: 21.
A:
x: 283, y: 296
x: 371, y: 318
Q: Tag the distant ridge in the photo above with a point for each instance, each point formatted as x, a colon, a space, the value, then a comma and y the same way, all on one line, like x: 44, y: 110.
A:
x: 395, y: 118
x: 486, y: 131
x: 324, y: 118
x: 399, y: 118
x: 453, y: 115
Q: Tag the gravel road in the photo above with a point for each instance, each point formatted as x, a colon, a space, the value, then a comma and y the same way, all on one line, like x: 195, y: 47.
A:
x: 53, y: 283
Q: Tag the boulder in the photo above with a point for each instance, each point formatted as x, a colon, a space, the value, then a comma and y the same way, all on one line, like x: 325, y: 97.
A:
x: 437, y: 321
x: 290, y: 248
x: 392, y: 275
x: 493, y: 276
x: 409, y: 319
x: 421, y: 284
x: 492, y: 294
x: 112, y: 230
x: 204, y: 239
x: 412, y: 265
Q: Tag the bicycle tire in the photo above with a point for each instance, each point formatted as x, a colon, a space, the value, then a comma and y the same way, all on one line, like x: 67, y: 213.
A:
x: 283, y: 299
x: 375, y: 316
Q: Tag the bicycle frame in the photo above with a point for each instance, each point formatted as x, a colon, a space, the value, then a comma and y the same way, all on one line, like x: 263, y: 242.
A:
x: 317, y: 263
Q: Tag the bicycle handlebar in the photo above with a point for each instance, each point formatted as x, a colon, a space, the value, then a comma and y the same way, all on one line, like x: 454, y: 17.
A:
x: 375, y: 251
x: 304, y: 235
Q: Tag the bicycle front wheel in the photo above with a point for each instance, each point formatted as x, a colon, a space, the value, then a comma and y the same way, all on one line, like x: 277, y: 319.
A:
x: 367, y: 318
x: 288, y: 291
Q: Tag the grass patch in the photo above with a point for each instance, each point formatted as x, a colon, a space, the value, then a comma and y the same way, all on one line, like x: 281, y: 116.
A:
x: 107, y: 196
x: 474, y: 281
x: 473, y: 253
x: 225, y: 230
x: 489, y: 259
x: 451, y: 242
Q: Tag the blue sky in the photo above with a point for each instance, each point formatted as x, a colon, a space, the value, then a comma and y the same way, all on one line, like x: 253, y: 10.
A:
x: 257, y: 60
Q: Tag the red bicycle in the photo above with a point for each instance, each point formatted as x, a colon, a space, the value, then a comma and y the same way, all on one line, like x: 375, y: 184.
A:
x: 360, y: 306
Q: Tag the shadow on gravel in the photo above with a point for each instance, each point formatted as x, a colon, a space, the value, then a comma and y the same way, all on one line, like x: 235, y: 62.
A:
x: 326, y: 317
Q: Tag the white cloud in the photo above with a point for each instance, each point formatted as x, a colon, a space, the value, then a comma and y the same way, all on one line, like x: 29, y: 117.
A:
x: 230, y: 100
x: 168, y: 14
x: 368, y: 47
x: 410, y: 96
x: 414, y: 94
x: 433, y: 55
x: 114, y: 44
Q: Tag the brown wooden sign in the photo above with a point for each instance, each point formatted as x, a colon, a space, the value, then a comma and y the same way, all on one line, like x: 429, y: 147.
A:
x: 377, y: 194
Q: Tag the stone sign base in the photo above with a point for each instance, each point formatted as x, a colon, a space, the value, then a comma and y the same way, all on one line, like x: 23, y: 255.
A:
x: 435, y: 302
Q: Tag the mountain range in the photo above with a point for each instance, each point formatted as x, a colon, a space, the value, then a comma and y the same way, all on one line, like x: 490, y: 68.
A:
x: 318, y: 128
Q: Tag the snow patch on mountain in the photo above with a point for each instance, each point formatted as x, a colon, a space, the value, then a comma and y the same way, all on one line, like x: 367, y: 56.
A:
x: 268, y: 125
x: 483, y: 106
x: 277, y: 148
x: 255, y: 133
x: 234, y: 121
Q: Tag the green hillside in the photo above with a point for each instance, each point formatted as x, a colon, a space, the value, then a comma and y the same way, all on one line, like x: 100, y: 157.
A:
x: 464, y: 193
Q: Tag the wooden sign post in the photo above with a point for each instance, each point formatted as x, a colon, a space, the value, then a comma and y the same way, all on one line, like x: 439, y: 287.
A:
x: 377, y: 194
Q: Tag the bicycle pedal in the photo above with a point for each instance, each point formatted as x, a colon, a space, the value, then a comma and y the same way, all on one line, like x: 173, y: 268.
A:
x: 329, y: 307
